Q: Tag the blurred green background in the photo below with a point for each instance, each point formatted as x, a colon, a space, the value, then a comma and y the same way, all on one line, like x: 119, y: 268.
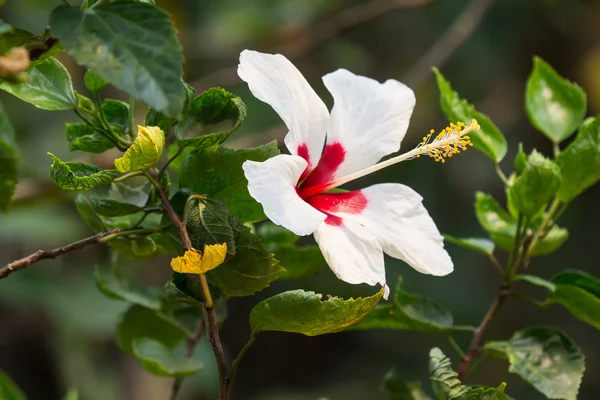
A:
x: 56, y: 329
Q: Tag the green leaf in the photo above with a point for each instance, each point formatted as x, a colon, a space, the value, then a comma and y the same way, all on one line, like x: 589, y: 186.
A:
x: 8, y: 389
x: 580, y: 279
x: 183, y: 289
x: 117, y: 114
x: 409, y: 311
x: 72, y: 394
x: 218, y: 171
x: 94, y: 82
x: 488, y: 139
x: 145, y: 151
x: 447, y: 386
x: 164, y: 122
x: 536, y: 280
x: 210, y: 119
x: 397, y: 389
x: 84, y: 208
x: 113, y: 208
x: 480, y: 245
x: 303, y: 312
x: 11, y: 37
x: 130, y: 44
x: 554, y: 105
x: 252, y: 269
x: 116, y: 286
x: 551, y: 241
x: 86, y: 138
x: 579, y: 163
x: 139, y: 322
x: 9, y: 173
x: 299, y: 262
x: 520, y: 160
x: 208, y: 223
x: 79, y: 176
x: 579, y: 292
x: 143, y: 247
x: 160, y: 360
x: 546, y: 358
x: 537, y: 185
x: 495, y: 220
x: 48, y: 87
x: 273, y: 234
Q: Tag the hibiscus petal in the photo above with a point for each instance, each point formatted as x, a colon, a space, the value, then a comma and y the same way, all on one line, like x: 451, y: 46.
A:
x: 395, y: 214
x: 274, y: 80
x: 352, y: 252
x: 368, y: 121
x: 273, y: 184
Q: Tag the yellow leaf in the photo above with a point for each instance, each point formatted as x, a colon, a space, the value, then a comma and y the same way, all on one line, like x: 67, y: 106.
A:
x: 145, y: 151
x: 194, y: 262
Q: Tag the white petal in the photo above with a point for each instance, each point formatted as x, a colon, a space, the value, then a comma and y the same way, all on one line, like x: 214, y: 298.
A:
x: 352, y: 252
x: 368, y: 118
x: 276, y: 81
x: 396, y: 215
x: 273, y: 184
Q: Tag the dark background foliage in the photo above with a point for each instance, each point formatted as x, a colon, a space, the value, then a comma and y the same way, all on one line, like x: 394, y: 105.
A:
x: 56, y: 329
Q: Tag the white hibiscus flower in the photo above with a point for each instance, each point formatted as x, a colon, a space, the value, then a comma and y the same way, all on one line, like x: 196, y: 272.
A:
x: 368, y: 121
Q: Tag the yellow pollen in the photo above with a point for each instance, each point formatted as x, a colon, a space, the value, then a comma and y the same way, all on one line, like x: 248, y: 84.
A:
x: 450, y: 141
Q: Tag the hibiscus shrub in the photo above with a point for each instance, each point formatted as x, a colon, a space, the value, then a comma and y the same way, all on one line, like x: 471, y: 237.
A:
x: 177, y: 189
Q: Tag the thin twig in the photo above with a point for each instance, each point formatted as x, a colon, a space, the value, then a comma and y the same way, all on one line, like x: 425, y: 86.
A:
x: 449, y: 42
x: 238, y: 359
x: 209, y: 310
x: 313, y: 36
x: 50, y: 254
x: 189, y: 351
x: 480, y: 332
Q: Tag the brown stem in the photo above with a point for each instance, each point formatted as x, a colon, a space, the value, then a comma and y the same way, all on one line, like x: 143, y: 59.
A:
x: 189, y: 351
x: 209, y: 310
x: 49, y: 254
x: 480, y: 332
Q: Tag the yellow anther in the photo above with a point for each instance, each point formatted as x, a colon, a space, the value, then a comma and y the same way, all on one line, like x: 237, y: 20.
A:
x: 451, y: 140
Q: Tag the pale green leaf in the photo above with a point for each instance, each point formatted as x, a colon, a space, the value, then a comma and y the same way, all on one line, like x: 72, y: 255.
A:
x: 161, y: 360
x: 579, y: 163
x: 145, y: 151
x: 48, y: 86
x: 554, y: 105
x: 536, y: 186
x: 480, y: 245
x: 94, y: 82
x: 546, y: 358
